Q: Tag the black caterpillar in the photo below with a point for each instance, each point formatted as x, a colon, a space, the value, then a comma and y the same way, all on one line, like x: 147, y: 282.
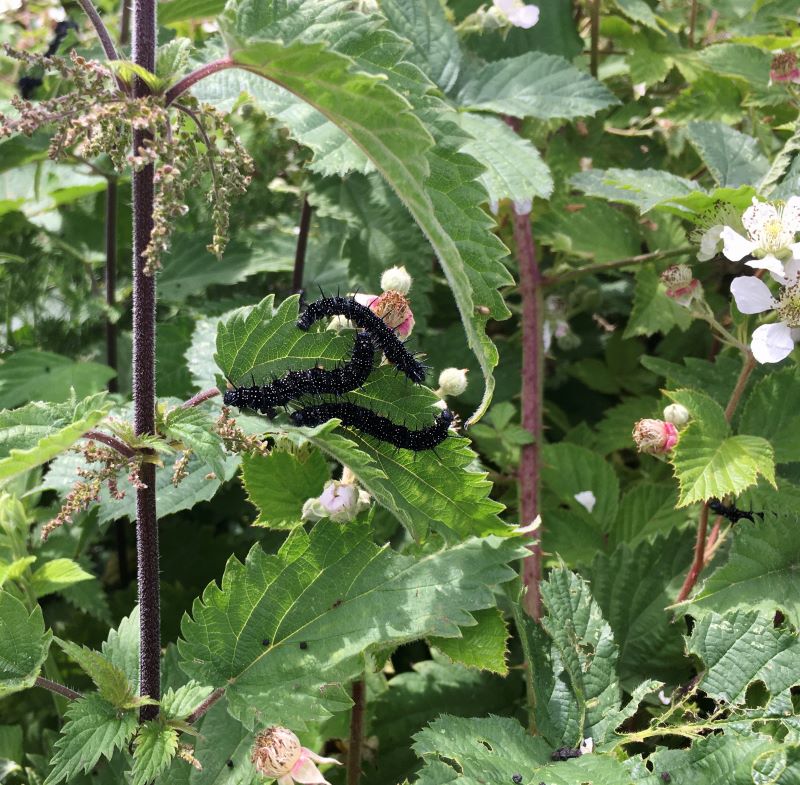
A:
x: 315, y: 381
x: 27, y: 84
x: 383, y: 335
x: 731, y: 512
x: 377, y: 426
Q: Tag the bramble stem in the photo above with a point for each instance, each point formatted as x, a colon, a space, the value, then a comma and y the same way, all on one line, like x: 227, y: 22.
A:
x: 60, y: 689
x: 699, y: 560
x: 594, y: 33
x: 110, y: 441
x: 205, y: 705
x: 208, y: 69
x: 102, y: 31
x: 600, y: 267
x: 144, y: 380
x: 359, y: 693
x: 302, y: 244
x: 196, y: 400
x: 530, y: 287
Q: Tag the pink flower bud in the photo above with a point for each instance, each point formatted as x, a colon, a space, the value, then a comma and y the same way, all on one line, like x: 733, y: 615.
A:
x: 681, y: 286
x: 784, y: 68
x: 654, y: 437
x: 393, y: 307
x: 275, y: 752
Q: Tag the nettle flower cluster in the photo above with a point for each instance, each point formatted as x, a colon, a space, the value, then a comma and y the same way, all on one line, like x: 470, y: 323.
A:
x: 186, y: 142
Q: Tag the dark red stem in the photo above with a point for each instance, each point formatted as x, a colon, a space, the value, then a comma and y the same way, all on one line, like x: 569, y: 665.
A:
x: 196, y: 400
x: 60, y: 689
x: 144, y: 379
x: 302, y: 244
x: 110, y: 441
x: 359, y: 694
x: 184, y: 84
x: 530, y: 287
x: 205, y: 705
x: 102, y: 31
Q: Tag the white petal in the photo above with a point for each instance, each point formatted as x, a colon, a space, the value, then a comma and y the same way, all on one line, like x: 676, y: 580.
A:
x: 758, y: 215
x: 506, y: 6
x: 285, y: 779
x: 791, y: 269
x: 734, y: 246
x: 586, y: 499
x: 365, y: 299
x: 751, y: 294
x: 547, y: 336
x: 319, y: 759
x: 525, y: 17
x: 771, y: 343
x: 769, y: 262
x: 791, y: 214
x: 709, y: 243
x: 306, y: 772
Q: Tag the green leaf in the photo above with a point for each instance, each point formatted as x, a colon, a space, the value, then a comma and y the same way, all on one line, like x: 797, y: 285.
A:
x: 430, y: 490
x: 15, y: 569
x: 180, y: 703
x: 654, y: 312
x: 716, y: 379
x: 569, y: 469
x: 36, y: 433
x: 416, y: 697
x: 280, y: 483
x: 200, y: 354
x: 633, y: 587
x: 30, y: 375
x: 514, y: 168
x: 56, y: 575
x: 639, y: 11
x: 111, y: 682
x: 535, y: 85
x: 155, y: 746
x: 172, y: 59
x: 741, y: 647
x: 23, y: 644
x: 171, y: 11
x: 354, y: 95
x: 586, y: 650
x: 646, y: 509
x: 732, y: 158
x: 783, y: 164
x: 750, y: 63
x: 760, y: 572
x: 337, y: 593
x: 481, y: 646
x: 193, y: 427
x: 121, y: 648
x: 765, y: 414
x: 643, y: 188
x: 94, y: 729
x: 494, y: 749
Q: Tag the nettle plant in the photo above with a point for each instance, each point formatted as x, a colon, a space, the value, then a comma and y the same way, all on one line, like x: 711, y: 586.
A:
x: 582, y: 571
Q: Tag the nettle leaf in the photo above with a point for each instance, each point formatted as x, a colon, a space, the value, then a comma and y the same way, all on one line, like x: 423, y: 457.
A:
x: 280, y: 483
x: 535, y: 85
x: 427, y: 490
x: 760, y: 573
x: 193, y: 427
x: 180, y: 703
x: 416, y: 697
x: 420, y: 161
x: 121, y: 648
x: 732, y: 158
x: 494, y: 749
x: 36, y: 433
x: 741, y: 647
x: 111, y: 682
x: 483, y: 645
x: 154, y: 749
x: 23, y: 644
x: 29, y: 375
x: 710, y: 463
x: 307, y: 615
x: 514, y: 168
x: 766, y: 414
x: 94, y: 729
x: 56, y: 575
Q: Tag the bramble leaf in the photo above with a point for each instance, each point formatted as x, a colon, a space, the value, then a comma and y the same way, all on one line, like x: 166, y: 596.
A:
x: 482, y: 646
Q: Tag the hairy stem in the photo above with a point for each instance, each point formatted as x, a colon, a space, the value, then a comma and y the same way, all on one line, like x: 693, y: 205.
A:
x: 359, y: 694
x: 594, y: 33
x: 184, y: 84
x: 692, y: 22
x: 196, y: 400
x: 125, y: 23
x: 302, y: 244
x: 600, y: 267
x: 699, y: 560
x: 144, y: 380
x: 59, y: 689
x: 112, y: 193
x: 205, y: 705
x: 102, y: 31
x: 110, y: 441
x: 530, y: 287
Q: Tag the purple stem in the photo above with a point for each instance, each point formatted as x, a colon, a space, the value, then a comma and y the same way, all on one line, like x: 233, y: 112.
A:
x: 60, y: 689
x: 302, y: 244
x: 144, y: 380
x: 205, y: 705
x: 196, y: 400
x: 184, y: 84
x: 111, y: 441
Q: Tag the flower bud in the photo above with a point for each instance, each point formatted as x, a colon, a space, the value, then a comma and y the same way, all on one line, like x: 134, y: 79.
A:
x: 275, y: 751
x: 341, y: 502
x: 452, y: 381
x: 681, y: 286
x: 654, y: 437
x: 393, y: 307
x: 784, y: 68
x: 396, y: 279
x: 677, y: 414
